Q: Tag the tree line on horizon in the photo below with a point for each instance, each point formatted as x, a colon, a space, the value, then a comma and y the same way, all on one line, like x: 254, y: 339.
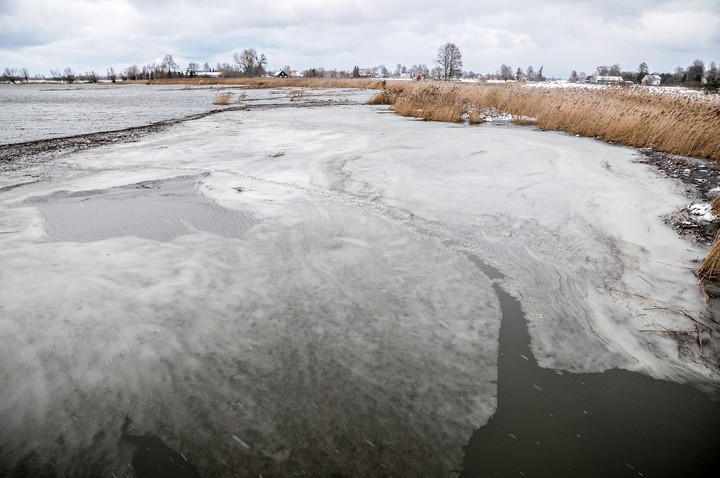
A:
x: 448, y: 66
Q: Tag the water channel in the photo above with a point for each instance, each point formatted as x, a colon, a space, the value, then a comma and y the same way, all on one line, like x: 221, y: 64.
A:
x: 616, y: 423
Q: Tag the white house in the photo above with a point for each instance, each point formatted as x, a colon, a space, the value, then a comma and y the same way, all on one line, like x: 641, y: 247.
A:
x: 651, y: 80
x: 605, y: 80
x: 208, y: 74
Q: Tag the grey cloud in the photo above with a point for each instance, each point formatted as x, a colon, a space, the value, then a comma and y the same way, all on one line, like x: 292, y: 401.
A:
x: 561, y: 34
x: 13, y: 40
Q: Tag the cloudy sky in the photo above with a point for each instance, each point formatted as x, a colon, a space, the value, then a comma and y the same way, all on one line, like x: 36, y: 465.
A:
x: 561, y: 35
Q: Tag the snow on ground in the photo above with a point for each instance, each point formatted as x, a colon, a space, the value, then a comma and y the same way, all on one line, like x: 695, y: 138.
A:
x: 298, y: 279
x: 702, y: 211
x: 566, y: 85
x: 653, y: 90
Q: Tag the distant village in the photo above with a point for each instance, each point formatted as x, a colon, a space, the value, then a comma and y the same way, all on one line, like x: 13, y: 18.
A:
x: 250, y: 63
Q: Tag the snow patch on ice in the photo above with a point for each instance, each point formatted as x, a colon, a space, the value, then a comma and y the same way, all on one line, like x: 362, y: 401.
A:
x: 702, y: 211
x: 494, y: 115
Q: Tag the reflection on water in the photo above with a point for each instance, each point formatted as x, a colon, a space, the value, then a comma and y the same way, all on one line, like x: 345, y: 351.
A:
x: 610, y: 424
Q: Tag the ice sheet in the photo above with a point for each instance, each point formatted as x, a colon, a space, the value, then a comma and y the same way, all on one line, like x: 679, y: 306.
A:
x: 323, y: 333
x: 340, y: 324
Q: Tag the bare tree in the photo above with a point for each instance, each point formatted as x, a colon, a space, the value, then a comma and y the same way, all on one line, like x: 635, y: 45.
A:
x: 168, y: 65
x: 68, y: 75
x: 696, y: 71
x: 574, y: 78
x: 530, y: 73
x: 449, y: 61
x: 506, y: 73
x: 227, y: 70
x: 206, y: 67
x: 192, y: 69
x: 10, y: 74
x: 131, y: 72
x: 318, y: 72
x: 642, y: 71
x: 712, y: 72
x: 250, y: 63
x: 111, y: 74
x: 679, y: 75
x: 605, y: 70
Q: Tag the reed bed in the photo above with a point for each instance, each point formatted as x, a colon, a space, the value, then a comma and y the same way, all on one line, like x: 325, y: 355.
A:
x: 638, y: 117
x: 363, y: 83
x: 709, y: 270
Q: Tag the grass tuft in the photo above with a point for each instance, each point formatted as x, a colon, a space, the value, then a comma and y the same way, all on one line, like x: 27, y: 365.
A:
x: 709, y: 270
x: 223, y: 98
x: 227, y: 97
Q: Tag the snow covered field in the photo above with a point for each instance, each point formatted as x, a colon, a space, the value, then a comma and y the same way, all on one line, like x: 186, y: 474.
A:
x: 298, y: 288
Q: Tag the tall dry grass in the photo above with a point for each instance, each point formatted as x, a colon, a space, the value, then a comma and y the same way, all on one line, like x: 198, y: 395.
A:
x: 709, y: 270
x: 223, y: 98
x: 637, y: 117
x: 363, y: 83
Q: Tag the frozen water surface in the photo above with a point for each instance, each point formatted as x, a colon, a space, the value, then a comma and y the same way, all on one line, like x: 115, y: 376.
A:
x: 41, y: 111
x: 299, y: 289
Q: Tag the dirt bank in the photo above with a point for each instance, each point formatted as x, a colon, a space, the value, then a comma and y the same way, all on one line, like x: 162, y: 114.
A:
x: 701, y: 179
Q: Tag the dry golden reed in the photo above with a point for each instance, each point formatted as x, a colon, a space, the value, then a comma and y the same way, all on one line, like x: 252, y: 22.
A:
x: 364, y: 83
x: 224, y: 98
x: 709, y: 270
x: 638, y: 117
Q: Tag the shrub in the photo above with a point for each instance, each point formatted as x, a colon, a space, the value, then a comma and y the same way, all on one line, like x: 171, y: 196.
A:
x: 223, y: 98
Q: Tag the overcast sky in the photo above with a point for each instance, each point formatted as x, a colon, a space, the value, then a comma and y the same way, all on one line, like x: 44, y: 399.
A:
x: 561, y: 35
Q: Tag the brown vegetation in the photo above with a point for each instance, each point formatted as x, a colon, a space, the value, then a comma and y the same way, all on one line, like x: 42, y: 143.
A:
x: 364, y: 83
x: 224, y: 98
x: 709, y: 270
x: 636, y: 117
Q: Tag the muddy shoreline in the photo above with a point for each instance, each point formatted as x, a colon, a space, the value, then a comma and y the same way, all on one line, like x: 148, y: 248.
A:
x: 701, y: 181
